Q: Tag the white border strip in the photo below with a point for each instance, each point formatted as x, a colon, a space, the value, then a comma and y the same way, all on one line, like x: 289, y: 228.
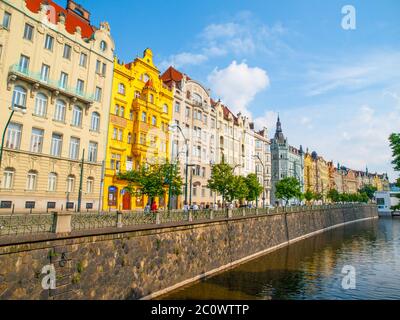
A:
x: 246, y: 259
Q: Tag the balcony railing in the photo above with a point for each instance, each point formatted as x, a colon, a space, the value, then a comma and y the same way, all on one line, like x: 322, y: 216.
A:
x: 52, y: 85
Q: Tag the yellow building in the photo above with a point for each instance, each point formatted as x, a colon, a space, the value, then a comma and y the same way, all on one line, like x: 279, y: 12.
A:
x: 141, y: 112
x: 316, y: 174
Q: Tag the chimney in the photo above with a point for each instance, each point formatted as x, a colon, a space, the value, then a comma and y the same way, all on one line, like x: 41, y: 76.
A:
x: 78, y: 10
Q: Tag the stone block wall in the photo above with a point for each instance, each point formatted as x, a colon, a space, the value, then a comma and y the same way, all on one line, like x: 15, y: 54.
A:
x: 132, y: 264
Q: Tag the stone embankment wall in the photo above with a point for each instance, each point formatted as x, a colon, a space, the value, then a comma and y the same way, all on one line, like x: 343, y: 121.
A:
x: 134, y: 264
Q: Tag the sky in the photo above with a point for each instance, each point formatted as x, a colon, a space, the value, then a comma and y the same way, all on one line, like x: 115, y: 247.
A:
x: 337, y: 91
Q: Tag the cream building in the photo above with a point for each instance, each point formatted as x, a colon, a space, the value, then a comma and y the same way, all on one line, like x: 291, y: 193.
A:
x: 57, y: 67
x: 263, y: 150
x: 195, y: 116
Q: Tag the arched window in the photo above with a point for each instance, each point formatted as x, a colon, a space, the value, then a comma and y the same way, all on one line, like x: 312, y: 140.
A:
x: 165, y: 108
x: 129, y: 138
x: 8, y: 178
x: 122, y: 112
x: 19, y: 97
x: 40, y: 105
x: 52, y: 182
x: 103, y: 46
x: 197, y: 98
x: 95, y: 123
x: 121, y: 88
x: 117, y: 110
x: 77, y: 116
x: 31, y: 180
x: 59, y: 114
x: 89, y: 185
x: 145, y: 78
x: 71, y: 183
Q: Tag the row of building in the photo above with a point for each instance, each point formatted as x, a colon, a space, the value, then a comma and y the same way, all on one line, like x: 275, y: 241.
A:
x: 77, y: 116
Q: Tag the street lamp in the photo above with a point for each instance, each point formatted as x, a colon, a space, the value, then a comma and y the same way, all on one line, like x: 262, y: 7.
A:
x: 170, y: 179
x: 15, y: 108
x: 263, y: 166
x: 173, y: 126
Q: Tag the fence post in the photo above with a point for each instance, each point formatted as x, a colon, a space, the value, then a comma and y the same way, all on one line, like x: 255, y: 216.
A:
x: 230, y: 213
x: 158, y: 218
x: 62, y: 222
x: 190, y: 215
x: 119, y: 219
x: 212, y: 215
x: 244, y: 212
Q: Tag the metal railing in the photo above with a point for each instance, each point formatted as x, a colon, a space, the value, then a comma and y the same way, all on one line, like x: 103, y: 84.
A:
x: 18, y: 224
x: 25, y: 224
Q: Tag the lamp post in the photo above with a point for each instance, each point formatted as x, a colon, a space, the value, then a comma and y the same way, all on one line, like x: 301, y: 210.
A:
x: 14, y: 108
x: 263, y: 166
x: 187, y: 159
x: 173, y: 166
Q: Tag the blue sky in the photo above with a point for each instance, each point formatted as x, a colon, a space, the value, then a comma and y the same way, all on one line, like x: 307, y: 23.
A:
x: 337, y: 91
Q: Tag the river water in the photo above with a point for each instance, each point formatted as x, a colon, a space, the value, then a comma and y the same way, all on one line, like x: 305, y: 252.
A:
x: 312, y: 268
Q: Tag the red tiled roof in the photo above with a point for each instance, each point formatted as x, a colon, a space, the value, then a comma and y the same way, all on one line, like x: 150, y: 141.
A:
x: 72, y: 20
x: 171, y: 74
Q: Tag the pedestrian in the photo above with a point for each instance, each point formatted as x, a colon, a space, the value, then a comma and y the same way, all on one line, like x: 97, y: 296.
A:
x: 147, y: 208
x: 154, y: 207
x: 195, y: 207
x: 185, y: 207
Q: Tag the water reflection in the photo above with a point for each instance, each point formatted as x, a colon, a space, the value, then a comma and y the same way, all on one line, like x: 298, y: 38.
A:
x: 311, y: 269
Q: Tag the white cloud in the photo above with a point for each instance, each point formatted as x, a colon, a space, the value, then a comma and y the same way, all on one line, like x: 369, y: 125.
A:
x: 242, y: 36
x: 182, y: 59
x: 267, y: 120
x: 238, y: 84
x: 357, y: 73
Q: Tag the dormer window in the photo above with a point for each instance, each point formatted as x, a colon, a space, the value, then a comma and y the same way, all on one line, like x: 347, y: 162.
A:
x: 145, y: 78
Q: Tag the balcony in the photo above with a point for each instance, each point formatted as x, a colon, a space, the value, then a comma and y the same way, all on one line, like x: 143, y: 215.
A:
x: 18, y: 72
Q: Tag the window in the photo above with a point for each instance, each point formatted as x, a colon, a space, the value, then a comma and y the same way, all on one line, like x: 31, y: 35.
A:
x: 8, y: 178
x: 31, y: 180
x: 1, y: 50
x: 52, y: 182
x: 104, y: 70
x: 56, y: 145
x: 143, y: 138
x: 145, y: 78
x: 154, y: 120
x: 67, y: 52
x: 49, y: 42
x: 137, y: 94
x: 80, y: 86
x: 83, y: 60
x: 95, y: 123
x: 98, y: 66
x: 19, y: 98
x: 13, y: 139
x: 115, y: 133
x: 24, y: 64
x: 103, y: 46
x: 131, y: 115
x: 37, y: 140
x: 89, y: 185
x: 122, y: 112
x: 129, y: 138
x: 92, y: 152
x: 115, y: 161
x: 28, y: 32
x: 165, y: 108
x: 59, y: 114
x: 117, y: 110
x: 121, y: 89
x: 74, y: 148
x: 151, y: 98
x: 98, y: 94
x: 40, y: 105
x: 70, y: 183
x: 6, y: 20
x: 77, y: 117
x: 63, y: 80
x: 44, y: 74
x: 187, y: 112
x: 120, y: 135
x: 144, y: 116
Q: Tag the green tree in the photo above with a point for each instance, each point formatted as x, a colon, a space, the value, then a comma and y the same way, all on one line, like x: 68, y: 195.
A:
x: 333, y: 195
x: 287, y: 189
x: 309, y: 195
x: 395, y: 145
x: 153, y: 180
x: 369, y: 190
x: 221, y: 179
x: 319, y: 196
x: 237, y: 189
x: 254, y: 187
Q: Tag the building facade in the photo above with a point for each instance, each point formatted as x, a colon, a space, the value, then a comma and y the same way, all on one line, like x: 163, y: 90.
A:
x: 263, y: 150
x: 56, y: 67
x: 287, y: 161
x: 140, y: 115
